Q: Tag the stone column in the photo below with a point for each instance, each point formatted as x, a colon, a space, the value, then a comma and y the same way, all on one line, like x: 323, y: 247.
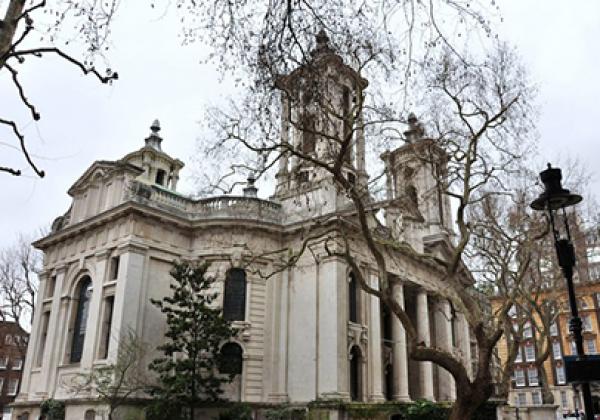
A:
x: 375, y: 361
x: 423, y: 332
x: 399, y: 350
x: 464, y: 341
x: 58, y: 330
x: 279, y: 333
x: 128, y: 293
x: 443, y: 339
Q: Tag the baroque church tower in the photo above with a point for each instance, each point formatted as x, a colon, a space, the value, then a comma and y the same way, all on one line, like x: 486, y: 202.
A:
x: 306, y: 331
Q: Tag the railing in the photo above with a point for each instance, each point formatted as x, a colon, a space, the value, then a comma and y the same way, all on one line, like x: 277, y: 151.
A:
x: 221, y: 207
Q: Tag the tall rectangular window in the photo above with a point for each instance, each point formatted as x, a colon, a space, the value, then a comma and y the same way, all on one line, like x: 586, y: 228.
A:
x: 50, y: 286
x: 554, y: 329
x: 527, y: 330
x: 536, y: 397
x: 590, y: 346
x: 43, y: 334
x: 13, y: 385
x: 519, y: 357
x: 560, y: 375
x: 573, y: 348
x: 556, y: 350
x: 114, y: 267
x: 107, y: 315
x: 529, y: 352
x: 532, y: 376
x: 521, y: 399
x: 587, y: 322
x: 520, y: 377
x: 563, y: 399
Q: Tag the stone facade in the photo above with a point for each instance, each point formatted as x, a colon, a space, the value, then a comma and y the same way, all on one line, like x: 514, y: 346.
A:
x: 308, y: 333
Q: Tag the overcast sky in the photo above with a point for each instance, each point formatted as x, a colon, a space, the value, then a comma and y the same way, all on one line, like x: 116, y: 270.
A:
x: 83, y: 121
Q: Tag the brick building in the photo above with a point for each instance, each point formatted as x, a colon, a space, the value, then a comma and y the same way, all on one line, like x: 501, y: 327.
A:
x: 526, y: 383
x: 13, y: 347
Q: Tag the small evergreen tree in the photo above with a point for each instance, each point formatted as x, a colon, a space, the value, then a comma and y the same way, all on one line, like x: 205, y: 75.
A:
x: 188, y: 371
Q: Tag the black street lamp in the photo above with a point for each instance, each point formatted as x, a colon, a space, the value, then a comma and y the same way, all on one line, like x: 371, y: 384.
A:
x: 553, y: 199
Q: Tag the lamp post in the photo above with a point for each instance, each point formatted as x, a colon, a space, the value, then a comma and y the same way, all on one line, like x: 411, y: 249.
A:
x: 554, y: 200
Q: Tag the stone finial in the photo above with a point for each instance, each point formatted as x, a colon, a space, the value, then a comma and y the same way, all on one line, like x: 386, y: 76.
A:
x: 415, y: 130
x: 250, y: 190
x: 154, y: 139
x: 322, y: 47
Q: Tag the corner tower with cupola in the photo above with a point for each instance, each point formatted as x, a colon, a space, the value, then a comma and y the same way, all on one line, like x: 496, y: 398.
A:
x: 321, y: 119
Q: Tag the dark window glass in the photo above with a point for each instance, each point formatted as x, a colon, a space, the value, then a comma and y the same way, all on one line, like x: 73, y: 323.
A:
x: 83, y: 304
x: 347, y: 126
x: 160, y: 177
x: 231, y: 359
x: 109, y: 304
x: 386, y: 323
x: 355, y: 377
x: 114, y: 267
x: 308, y: 133
x: 352, y: 298
x: 389, y: 382
x: 234, y: 300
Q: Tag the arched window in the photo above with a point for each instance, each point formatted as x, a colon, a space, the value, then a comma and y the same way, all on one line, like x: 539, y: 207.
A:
x: 231, y: 359
x: 89, y: 415
x: 234, y: 299
x: 84, y: 294
x: 352, y: 298
x: 355, y: 374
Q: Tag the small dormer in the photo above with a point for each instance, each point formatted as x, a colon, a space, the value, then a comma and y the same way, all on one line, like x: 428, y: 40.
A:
x: 159, y: 168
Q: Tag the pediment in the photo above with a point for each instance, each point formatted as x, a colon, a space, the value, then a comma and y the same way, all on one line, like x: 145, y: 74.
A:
x: 100, y: 170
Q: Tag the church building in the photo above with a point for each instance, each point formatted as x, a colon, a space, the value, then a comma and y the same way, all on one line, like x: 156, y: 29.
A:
x: 307, y: 331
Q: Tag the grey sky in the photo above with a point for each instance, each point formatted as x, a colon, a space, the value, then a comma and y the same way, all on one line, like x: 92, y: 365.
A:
x: 83, y: 121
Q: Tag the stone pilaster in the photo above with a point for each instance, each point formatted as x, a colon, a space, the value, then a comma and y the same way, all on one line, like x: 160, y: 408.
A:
x: 423, y: 332
x: 443, y: 339
x: 279, y: 342
x: 376, y: 392
x: 400, y: 364
x: 464, y: 341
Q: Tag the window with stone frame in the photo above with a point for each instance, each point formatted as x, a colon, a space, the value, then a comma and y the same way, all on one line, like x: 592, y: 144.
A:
x: 519, y: 377
x: 107, y: 315
x: 532, y: 376
x: 43, y: 334
x: 521, y: 399
x: 234, y: 297
x: 3, y: 362
x: 536, y: 398
x: 554, y: 329
x: 355, y: 374
x: 564, y: 402
x: 353, y: 298
x: 519, y: 356
x: 590, y: 346
x: 529, y: 352
x: 114, y: 267
x: 587, y: 322
x: 13, y: 386
x: 84, y: 295
x: 527, y: 330
x: 308, y: 133
x: 50, y: 286
x: 17, y: 364
x: 556, y: 351
x: 231, y: 362
x: 560, y: 375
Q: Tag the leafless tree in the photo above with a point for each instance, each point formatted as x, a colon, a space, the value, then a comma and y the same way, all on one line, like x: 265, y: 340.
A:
x: 19, y: 267
x: 20, y: 28
x: 115, y: 383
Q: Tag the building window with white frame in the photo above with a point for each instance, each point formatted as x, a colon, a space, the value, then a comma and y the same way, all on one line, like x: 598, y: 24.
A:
x: 17, y: 364
x: 527, y: 330
x: 519, y: 357
x: 536, y: 398
x: 587, y: 322
x: 3, y: 362
x: 13, y: 385
x: 563, y: 400
x: 556, y: 353
x: 560, y: 375
x: 1, y: 385
x: 554, y: 329
x: 590, y: 346
x: 521, y: 399
x: 573, y: 348
x: 532, y: 376
x: 8, y: 340
x: 529, y: 352
x: 519, y: 377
